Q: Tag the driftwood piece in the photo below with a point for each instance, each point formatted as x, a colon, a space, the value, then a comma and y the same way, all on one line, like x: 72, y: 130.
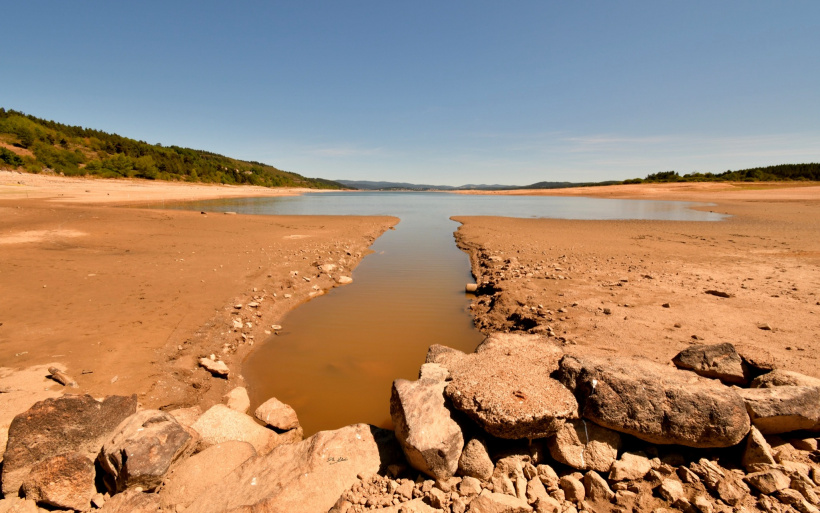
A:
x: 62, y: 378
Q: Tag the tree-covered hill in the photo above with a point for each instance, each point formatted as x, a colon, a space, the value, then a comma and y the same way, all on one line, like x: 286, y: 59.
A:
x: 782, y: 172
x: 36, y: 145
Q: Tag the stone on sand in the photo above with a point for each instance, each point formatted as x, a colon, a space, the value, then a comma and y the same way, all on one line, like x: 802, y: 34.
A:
x: 656, y: 403
x: 216, y: 367
x: 717, y: 361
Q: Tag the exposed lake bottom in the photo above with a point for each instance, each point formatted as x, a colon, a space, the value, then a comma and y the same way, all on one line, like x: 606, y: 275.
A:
x: 336, y: 356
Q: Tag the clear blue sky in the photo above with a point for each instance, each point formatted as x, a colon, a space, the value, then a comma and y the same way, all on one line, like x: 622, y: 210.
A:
x: 444, y: 92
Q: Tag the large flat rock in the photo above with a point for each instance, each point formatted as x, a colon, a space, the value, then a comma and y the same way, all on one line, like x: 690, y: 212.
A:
x: 506, y: 388
x: 783, y: 409
x: 656, y: 403
x: 717, y: 361
x: 71, y: 423
x: 308, y: 476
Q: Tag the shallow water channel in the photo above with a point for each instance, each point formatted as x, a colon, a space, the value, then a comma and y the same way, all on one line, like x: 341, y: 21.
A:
x: 337, y: 355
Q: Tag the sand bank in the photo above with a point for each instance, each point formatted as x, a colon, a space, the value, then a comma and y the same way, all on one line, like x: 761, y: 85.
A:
x: 127, y: 299
x: 602, y: 285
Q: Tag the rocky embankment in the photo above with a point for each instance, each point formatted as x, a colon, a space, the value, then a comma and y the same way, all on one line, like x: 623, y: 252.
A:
x: 519, y: 425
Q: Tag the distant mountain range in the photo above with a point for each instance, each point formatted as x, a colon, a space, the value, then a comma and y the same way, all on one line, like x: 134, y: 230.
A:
x: 366, y: 185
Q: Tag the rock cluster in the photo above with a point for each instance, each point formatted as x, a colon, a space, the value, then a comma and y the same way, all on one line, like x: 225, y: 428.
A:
x: 634, y: 436
x: 517, y: 426
x: 52, y: 449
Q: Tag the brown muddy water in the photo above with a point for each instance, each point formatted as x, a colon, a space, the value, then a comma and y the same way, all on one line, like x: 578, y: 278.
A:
x: 336, y: 357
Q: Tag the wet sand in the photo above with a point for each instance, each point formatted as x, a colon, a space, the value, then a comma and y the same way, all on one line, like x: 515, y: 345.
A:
x: 127, y: 299
x: 602, y: 285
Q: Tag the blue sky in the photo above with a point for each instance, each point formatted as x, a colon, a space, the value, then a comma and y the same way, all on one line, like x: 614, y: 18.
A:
x: 445, y: 92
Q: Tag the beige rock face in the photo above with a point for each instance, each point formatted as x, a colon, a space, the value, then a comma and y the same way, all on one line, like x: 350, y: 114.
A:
x: 656, y: 403
x: 142, y: 450
x: 221, y: 424
x: 584, y: 445
x: 783, y: 409
x: 56, y: 426
x: 65, y: 481
x: 307, y: 477
x: 277, y: 414
x: 203, y: 471
x: 506, y: 388
x: 430, y: 438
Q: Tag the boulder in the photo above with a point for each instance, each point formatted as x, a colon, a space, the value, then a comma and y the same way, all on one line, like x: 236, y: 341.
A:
x: 277, y: 414
x: 629, y: 467
x: 132, y: 501
x: 142, y: 450
x: 671, y: 490
x: 597, y: 489
x: 574, y: 490
x: 307, y: 477
x: 584, y: 445
x: 718, y: 361
x: 65, y: 481
x: 202, y: 471
x: 237, y: 399
x: 536, y: 490
x: 656, y: 403
x: 769, y: 481
x: 430, y: 438
x: 783, y: 409
x: 505, y: 386
x: 475, y: 460
x: 489, y: 502
x: 757, y: 450
x: 221, y: 424
x: 70, y: 423
x: 784, y: 378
